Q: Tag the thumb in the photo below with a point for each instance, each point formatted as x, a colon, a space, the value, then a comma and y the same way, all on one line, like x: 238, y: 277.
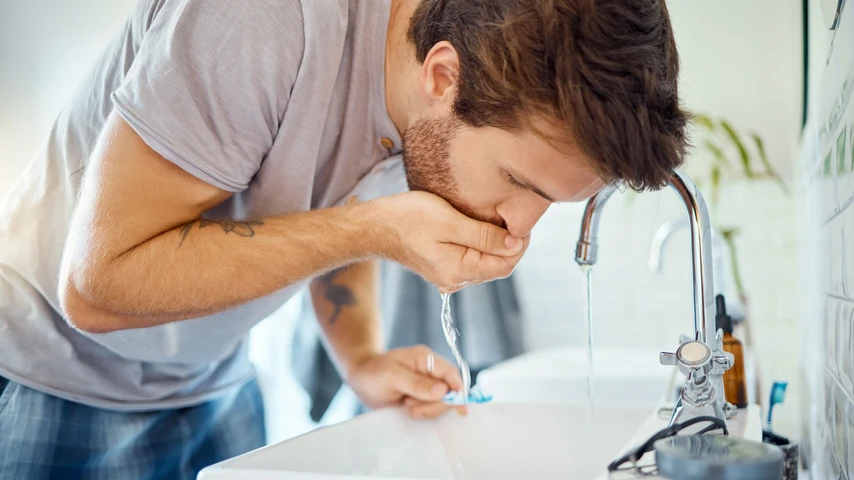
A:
x: 419, y: 386
x: 487, y: 238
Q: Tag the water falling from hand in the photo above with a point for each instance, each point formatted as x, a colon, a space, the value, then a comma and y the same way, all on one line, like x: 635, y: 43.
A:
x: 451, y: 336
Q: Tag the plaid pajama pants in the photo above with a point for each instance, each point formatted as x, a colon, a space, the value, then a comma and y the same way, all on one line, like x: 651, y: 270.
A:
x: 45, y: 438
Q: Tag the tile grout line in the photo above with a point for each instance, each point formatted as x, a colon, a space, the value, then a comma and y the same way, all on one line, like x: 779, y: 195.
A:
x: 841, y: 209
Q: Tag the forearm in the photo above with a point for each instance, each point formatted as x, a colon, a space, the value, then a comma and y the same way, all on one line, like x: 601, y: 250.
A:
x: 347, y: 306
x: 205, y: 266
x: 137, y: 254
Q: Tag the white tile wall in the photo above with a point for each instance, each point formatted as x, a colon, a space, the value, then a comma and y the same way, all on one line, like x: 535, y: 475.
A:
x: 552, y: 288
x: 827, y: 171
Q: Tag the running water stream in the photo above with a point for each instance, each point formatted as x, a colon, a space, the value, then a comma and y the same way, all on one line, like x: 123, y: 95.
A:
x: 587, y: 271
x: 452, y: 336
x: 593, y: 438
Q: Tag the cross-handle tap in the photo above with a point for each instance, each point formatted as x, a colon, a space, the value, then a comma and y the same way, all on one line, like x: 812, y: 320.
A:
x: 586, y: 253
x: 698, y: 396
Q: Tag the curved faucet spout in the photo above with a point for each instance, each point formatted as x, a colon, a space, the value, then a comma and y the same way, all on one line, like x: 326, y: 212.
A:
x: 695, y: 400
x: 706, y: 396
x: 586, y: 251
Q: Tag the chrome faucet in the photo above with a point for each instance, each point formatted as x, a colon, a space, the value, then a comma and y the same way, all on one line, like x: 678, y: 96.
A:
x: 722, y: 272
x: 663, y: 234
x: 700, y: 357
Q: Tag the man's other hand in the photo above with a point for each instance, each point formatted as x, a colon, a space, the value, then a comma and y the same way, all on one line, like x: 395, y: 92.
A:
x: 414, y: 377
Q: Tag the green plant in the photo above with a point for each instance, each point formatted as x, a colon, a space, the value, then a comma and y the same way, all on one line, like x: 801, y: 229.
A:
x: 724, y: 152
x: 719, y: 140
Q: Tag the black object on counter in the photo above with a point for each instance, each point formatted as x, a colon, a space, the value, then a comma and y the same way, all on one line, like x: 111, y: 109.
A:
x: 634, y: 455
x: 790, y: 453
x: 713, y: 457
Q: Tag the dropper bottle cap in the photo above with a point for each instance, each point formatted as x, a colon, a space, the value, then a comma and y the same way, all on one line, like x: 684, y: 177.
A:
x: 722, y: 320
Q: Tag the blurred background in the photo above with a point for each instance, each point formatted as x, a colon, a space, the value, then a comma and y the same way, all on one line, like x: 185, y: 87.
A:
x: 746, y: 72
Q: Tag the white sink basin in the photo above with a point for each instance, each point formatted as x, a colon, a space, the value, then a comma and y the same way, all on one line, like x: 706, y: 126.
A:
x: 540, y: 426
x: 559, y: 376
x: 496, y: 441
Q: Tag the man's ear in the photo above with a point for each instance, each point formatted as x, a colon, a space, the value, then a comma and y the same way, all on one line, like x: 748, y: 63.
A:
x: 439, y: 73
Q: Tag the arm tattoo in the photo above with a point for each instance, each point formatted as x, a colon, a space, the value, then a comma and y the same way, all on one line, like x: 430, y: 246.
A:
x: 340, y: 295
x: 241, y: 228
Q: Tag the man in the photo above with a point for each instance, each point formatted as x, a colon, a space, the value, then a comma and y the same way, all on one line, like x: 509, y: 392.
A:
x: 200, y: 177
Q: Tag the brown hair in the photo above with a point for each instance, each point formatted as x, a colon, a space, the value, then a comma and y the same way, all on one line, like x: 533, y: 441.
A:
x: 606, y: 71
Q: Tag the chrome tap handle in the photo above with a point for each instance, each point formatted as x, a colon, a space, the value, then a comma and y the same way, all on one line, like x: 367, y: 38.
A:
x: 722, y: 363
x: 692, y: 358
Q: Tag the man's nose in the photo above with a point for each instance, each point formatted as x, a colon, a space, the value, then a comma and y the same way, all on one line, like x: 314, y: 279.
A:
x: 521, y: 216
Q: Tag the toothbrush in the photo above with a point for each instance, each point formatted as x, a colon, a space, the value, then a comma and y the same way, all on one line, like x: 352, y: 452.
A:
x: 475, y: 396
x: 778, y: 395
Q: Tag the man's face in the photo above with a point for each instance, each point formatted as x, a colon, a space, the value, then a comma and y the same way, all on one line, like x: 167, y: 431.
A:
x: 508, y: 179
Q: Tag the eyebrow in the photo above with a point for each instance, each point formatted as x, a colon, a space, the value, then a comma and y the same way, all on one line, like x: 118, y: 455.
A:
x: 532, y: 188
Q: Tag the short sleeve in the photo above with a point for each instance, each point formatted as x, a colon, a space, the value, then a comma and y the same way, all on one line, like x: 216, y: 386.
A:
x: 210, y: 83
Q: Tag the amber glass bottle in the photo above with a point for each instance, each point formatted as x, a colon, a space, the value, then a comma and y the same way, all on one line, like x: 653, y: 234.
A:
x: 734, y: 382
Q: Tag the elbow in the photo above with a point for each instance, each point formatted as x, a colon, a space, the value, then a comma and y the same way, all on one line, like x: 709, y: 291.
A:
x: 82, y: 312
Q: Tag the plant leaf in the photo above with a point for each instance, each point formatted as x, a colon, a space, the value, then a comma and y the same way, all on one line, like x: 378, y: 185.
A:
x: 729, y: 240
x: 717, y: 153
x: 760, y: 147
x: 730, y: 232
x: 742, y: 151
x: 705, y: 121
x: 716, y: 183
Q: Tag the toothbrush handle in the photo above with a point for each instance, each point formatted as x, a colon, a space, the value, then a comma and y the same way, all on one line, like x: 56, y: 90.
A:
x: 768, y: 418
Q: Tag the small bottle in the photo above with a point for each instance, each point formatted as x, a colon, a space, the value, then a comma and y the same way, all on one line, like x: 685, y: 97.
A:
x: 734, y: 382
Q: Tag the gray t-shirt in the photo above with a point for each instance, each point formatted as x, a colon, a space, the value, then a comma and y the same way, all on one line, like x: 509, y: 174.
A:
x: 279, y: 101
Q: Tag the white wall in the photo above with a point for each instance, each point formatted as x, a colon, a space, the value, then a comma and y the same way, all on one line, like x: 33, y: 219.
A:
x: 740, y: 60
x: 46, y: 46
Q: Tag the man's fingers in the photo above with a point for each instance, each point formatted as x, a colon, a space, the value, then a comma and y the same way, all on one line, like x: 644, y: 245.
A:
x: 433, y: 410
x: 420, y: 386
x: 429, y: 363
x: 487, y: 238
x: 478, y: 267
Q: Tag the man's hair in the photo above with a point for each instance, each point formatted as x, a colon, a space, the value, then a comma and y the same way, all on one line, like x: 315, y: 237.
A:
x: 604, y: 71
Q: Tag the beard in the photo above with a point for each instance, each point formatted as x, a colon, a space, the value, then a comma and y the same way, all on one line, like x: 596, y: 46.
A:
x: 427, y: 162
x: 427, y: 156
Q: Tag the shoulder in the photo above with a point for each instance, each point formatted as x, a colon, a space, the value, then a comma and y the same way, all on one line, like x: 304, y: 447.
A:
x: 259, y: 25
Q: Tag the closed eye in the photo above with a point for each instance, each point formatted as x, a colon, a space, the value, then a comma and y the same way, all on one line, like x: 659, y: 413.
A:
x: 516, y: 183
x: 519, y: 184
